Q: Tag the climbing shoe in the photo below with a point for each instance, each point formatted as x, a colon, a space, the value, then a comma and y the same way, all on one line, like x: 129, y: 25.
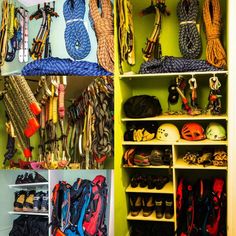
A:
x: 159, y: 207
x: 37, y: 201
x: 148, y: 205
x: 39, y: 178
x: 44, y: 205
x: 135, y: 204
x: 161, y: 182
x: 28, y: 178
x: 169, y: 209
x: 29, y: 201
x: 19, y: 200
x: 19, y: 179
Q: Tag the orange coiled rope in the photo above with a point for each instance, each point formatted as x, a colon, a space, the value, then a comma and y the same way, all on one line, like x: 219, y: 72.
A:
x: 215, y: 53
x: 103, y: 24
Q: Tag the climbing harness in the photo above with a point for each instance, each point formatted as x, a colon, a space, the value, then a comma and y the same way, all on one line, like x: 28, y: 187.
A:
x: 77, y: 39
x: 169, y: 64
x: 126, y: 32
x: 190, y: 44
x: 152, y: 45
x: 53, y: 65
x: 215, y: 53
x: 104, y: 29
x: 214, y: 105
x: 3, y: 32
x: 39, y: 43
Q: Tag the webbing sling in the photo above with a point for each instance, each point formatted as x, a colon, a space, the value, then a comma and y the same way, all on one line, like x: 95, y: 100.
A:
x: 104, y: 28
x: 76, y: 36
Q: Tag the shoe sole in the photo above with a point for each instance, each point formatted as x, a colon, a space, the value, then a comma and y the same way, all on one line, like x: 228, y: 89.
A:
x: 26, y: 209
x: 18, y: 209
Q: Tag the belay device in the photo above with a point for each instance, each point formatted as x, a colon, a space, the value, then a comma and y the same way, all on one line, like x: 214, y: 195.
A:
x: 41, y: 42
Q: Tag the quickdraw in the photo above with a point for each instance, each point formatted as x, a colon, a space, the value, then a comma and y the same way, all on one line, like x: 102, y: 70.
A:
x: 39, y: 43
x: 152, y: 45
x: 126, y: 32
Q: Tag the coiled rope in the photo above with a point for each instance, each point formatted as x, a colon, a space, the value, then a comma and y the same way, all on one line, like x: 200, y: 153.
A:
x: 215, y: 53
x: 3, y: 31
x: 103, y: 24
x: 174, y: 64
x: 76, y: 36
x: 190, y: 44
x: 57, y: 66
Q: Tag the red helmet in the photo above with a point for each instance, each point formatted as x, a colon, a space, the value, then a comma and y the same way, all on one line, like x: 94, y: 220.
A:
x: 193, y: 132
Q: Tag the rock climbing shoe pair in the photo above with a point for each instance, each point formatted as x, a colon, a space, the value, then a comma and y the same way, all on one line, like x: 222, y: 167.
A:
x: 164, y: 207
x: 24, y: 200
x: 40, y: 203
x: 30, y: 178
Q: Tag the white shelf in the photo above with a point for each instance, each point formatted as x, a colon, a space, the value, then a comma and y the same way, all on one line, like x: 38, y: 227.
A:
x: 167, y: 189
x: 147, y: 167
x: 28, y: 213
x: 30, y: 185
x: 173, y: 74
x: 181, y: 164
x: 180, y: 142
x: 178, y: 117
x: 152, y: 217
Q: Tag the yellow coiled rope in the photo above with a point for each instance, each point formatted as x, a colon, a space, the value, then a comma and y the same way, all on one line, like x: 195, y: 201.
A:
x: 215, y: 53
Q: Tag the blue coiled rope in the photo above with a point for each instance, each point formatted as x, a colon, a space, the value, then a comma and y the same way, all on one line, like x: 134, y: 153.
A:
x: 76, y: 36
x: 57, y: 66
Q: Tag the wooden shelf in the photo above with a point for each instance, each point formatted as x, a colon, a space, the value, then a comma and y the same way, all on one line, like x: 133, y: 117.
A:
x: 181, y: 164
x: 168, y: 189
x: 30, y: 185
x: 28, y: 213
x: 148, y: 167
x: 180, y: 142
x: 152, y: 217
x: 131, y: 75
x: 165, y: 117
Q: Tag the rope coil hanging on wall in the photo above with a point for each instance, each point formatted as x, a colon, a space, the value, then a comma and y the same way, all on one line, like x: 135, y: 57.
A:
x: 76, y: 36
x: 103, y: 25
x: 215, y: 53
x: 190, y: 44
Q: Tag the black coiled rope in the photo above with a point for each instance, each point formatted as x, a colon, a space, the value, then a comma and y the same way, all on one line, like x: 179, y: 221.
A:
x: 190, y: 44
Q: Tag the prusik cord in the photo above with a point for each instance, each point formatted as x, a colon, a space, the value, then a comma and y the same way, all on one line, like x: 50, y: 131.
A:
x: 103, y: 24
x: 215, y: 53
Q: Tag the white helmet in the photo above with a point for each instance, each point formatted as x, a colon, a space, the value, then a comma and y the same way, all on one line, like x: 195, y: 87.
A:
x: 168, y: 132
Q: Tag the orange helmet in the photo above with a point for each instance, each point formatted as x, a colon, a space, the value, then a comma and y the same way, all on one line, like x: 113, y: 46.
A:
x: 193, y: 132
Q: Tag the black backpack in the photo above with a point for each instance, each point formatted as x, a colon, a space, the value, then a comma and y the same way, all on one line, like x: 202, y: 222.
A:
x: 142, y: 106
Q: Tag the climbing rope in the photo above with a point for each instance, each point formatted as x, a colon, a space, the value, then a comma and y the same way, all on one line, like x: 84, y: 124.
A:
x: 76, y: 36
x: 190, y: 44
x: 174, y: 64
x: 103, y: 25
x: 53, y: 65
x: 3, y: 31
x: 215, y: 53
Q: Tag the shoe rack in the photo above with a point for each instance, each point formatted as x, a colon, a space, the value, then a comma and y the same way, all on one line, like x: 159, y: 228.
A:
x: 129, y: 83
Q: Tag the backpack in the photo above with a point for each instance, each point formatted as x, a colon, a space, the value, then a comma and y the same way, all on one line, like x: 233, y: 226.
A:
x: 94, y: 222
x: 142, y: 106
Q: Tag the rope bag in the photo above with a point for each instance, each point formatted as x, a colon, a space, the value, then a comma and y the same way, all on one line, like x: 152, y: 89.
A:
x: 103, y: 25
x: 190, y: 44
x: 215, y: 53
x: 76, y: 36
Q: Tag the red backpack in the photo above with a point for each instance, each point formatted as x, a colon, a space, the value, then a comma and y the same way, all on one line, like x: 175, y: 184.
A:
x: 94, y: 222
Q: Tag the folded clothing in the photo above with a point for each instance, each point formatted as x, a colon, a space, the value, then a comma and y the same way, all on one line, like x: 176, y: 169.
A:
x: 170, y: 64
x: 57, y: 66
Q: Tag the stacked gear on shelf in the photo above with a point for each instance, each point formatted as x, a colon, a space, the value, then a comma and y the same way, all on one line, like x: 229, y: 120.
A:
x: 80, y: 209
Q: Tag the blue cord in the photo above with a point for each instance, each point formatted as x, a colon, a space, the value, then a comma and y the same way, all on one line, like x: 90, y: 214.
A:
x: 57, y: 66
x: 76, y: 36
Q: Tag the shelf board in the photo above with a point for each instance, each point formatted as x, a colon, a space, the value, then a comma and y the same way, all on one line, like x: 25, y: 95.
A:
x: 173, y: 74
x: 168, y: 189
x: 28, y: 213
x: 178, y: 117
x: 30, y: 185
x: 148, y: 167
x: 180, y: 142
x: 152, y: 217
x: 180, y: 164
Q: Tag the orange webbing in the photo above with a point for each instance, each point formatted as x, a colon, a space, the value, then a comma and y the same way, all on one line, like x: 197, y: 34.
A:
x: 215, y: 53
x: 104, y: 28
